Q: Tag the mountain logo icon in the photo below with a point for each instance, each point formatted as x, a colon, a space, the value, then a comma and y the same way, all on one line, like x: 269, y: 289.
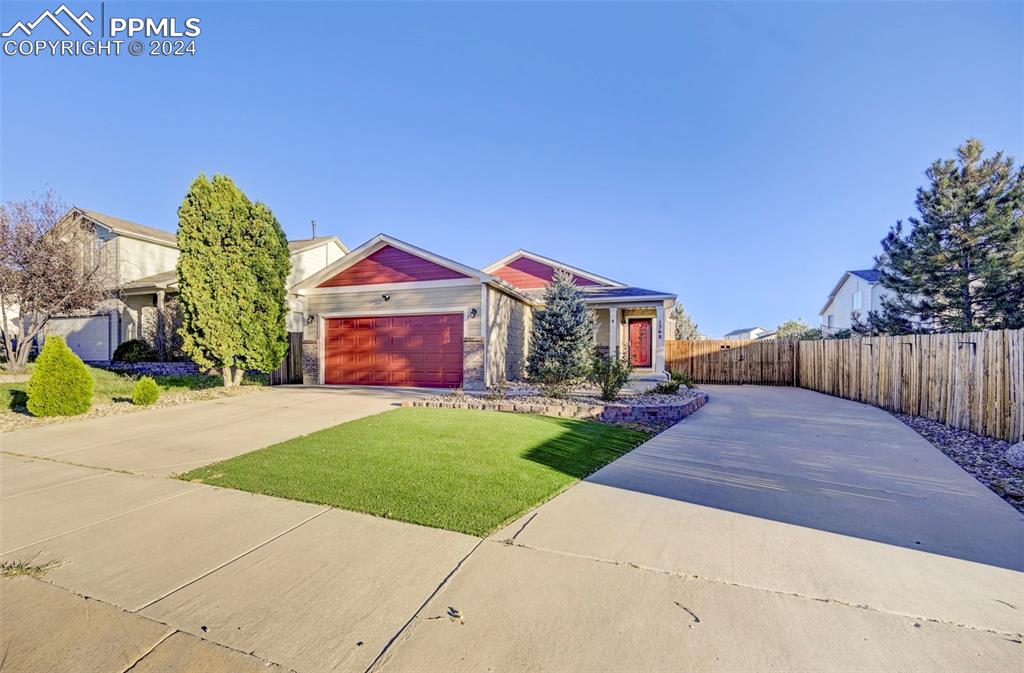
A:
x: 53, y: 16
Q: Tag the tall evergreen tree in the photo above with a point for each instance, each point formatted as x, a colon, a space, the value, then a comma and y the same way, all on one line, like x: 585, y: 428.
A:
x: 232, y: 272
x: 563, y: 335
x: 959, y: 267
x: 686, y: 328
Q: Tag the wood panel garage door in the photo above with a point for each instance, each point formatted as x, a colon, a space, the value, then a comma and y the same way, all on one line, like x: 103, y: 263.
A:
x: 407, y: 350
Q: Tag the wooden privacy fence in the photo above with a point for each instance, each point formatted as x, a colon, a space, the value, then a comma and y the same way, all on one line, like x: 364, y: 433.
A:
x: 290, y: 369
x: 773, y: 362
x: 973, y: 381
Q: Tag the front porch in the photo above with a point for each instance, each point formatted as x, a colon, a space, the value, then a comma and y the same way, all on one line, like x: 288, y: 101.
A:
x: 635, y: 330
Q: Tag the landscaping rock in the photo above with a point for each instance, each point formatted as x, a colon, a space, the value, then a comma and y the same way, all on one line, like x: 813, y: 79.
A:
x: 1015, y: 455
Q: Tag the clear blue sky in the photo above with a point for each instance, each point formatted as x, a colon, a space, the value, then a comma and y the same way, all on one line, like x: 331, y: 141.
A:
x: 740, y: 155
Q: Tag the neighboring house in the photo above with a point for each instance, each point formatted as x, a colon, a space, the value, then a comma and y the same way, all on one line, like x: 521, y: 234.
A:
x: 751, y: 333
x: 144, y: 285
x: 392, y: 314
x: 856, y: 293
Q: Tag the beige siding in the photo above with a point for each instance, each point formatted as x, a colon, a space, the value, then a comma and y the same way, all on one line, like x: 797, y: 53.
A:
x: 508, y: 336
x: 138, y: 259
x: 308, y: 262
x: 414, y: 300
x: 602, y: 328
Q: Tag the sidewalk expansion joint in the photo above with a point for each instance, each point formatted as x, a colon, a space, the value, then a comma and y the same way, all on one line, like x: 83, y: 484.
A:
x: 402, y: 630
x: 777, y: 592
x: 231, y: 560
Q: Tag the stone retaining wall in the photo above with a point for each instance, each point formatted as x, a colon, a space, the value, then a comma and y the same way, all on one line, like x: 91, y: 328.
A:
x: 155, y: 368
x: 609, y: 413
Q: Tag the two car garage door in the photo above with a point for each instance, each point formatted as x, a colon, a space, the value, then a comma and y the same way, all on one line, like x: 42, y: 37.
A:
x: 410, y: 350
x: 88, y: 336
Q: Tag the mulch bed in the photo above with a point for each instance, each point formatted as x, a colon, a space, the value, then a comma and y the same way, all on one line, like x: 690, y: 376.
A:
x: 982, y: 457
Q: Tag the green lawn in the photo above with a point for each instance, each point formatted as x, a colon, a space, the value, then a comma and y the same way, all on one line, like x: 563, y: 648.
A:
x: 464, y: 470
x: 112, y: 387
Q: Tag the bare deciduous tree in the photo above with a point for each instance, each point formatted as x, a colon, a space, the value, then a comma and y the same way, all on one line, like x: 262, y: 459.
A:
x: 50, y: 264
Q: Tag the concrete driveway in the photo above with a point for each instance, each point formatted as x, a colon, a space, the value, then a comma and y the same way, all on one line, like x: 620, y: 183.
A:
x: 776, y: 529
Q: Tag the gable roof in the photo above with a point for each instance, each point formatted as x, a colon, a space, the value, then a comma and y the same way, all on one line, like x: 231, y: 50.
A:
x: 376, y: 243
x: 744, y: 330
x: 494, y: 266
x: 303, y: 244
x: 869, y: 275
x: 127, y: 228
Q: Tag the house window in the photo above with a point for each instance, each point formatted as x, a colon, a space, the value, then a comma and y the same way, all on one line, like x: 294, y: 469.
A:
x: 828, y: 320
x: 858, y: 300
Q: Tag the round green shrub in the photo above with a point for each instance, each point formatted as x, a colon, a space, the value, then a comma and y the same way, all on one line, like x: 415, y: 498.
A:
x: 61, y: 384
x: 134, y: 350
x: 146, y: 392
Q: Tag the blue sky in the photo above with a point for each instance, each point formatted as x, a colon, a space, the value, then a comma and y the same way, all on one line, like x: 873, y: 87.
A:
x: 740, y: 155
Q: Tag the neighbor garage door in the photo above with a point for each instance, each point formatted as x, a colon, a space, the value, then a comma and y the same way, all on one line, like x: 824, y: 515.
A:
x: 88, y: 336
x: 409, y: 350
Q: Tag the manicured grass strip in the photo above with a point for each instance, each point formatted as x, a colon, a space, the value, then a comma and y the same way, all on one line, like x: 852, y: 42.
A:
x: 463, y: 470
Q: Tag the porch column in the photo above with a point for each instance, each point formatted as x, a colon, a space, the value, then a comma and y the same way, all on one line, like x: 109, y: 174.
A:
x: 659, y: 339
x: 613, y: 331
x: 160, y: 324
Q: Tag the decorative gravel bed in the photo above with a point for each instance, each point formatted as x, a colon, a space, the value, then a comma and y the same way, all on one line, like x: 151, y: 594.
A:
x: 9, y: 422
x: 982, y: 457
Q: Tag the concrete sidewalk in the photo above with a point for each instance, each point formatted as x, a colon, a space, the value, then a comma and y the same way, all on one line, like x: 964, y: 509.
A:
x: 742, y: 539
x: 776, y: 529
x: 173, y: 440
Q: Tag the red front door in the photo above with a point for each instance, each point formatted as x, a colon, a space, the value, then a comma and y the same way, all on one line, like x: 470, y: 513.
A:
x: 410, y: 350
x: 640, y: 343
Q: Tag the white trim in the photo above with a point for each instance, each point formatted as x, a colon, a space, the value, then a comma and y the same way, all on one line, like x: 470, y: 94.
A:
x: 490, y: 268
x: 321, y: 335
x: 389, y: 287
x: 484, y: 319
x: 375, y: 244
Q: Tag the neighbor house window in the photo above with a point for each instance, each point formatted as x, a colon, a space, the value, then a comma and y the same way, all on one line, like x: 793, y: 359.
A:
x: 858, y: 300
x: 828, y: 320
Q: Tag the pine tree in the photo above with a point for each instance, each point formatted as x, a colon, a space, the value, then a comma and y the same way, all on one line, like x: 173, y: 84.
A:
x: 563, y: 336
x: 959, y: 268
x: 686, y: 328
x: 232, y: 272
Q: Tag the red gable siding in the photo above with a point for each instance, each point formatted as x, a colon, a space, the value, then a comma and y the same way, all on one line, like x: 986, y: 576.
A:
x: 391, y: 265
x: 528, y: 274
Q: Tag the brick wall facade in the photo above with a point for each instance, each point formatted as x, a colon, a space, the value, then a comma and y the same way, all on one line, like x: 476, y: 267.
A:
x: 310, y: 362
x: 473, y: 363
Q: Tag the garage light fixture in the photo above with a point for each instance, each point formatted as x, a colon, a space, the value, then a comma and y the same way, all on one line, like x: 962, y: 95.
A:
x: 472, y: 313
x: 310, y: 318
x: 386, y: 297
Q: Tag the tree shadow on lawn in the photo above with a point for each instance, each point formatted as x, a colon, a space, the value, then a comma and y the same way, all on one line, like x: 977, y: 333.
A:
x: 583, y: 447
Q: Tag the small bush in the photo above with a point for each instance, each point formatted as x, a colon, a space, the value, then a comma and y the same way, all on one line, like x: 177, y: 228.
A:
x: 610, y: 374
x: 667, y: 388
x: 134, y: 350
x: 146, y: 392
x: 61, y: 384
